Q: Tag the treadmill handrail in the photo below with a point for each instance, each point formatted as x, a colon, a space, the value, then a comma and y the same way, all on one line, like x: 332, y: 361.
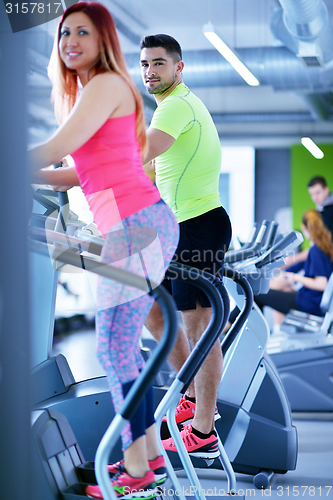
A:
x: 251, y: 251
x: 271, y: 235
x: 277, y: 251
x: 92, y: 244
x: 252, y: 236
x: 218, y: 318
x: 242, y: 317
x: 64, y: 208
x: 327, y: 298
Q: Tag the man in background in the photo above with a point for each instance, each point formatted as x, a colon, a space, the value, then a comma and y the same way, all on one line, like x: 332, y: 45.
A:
x: 321, y: 196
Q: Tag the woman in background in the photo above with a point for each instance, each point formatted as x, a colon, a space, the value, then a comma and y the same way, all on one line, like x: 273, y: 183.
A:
x: 102, y: 128
x: 317, y: 269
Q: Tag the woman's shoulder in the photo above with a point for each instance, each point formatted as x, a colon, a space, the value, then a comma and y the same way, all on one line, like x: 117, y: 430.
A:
x: 317, y: 252
x: 106, y: 79
x: 110, y: 84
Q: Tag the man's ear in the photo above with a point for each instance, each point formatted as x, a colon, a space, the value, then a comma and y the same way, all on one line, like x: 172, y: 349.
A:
x: 180, y: 67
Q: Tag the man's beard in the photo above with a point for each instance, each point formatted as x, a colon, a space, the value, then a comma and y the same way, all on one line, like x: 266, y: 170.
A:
x: 160, y: 88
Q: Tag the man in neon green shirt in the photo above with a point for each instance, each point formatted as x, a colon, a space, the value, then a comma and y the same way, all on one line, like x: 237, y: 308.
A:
x: 183, y: 140
x: 190, y: 187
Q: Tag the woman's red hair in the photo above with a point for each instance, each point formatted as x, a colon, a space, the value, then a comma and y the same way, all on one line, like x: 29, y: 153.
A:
x: 319, y: 234
x: 65, y: 81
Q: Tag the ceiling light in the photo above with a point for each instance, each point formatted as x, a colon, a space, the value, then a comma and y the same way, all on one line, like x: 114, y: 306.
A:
x: 312, y: 147
x: 229, y: 55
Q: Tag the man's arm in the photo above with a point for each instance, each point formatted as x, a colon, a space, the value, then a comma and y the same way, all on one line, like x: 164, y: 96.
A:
x: 158, y: 143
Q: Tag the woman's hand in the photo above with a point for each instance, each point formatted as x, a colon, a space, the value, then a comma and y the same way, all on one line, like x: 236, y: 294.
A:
x: 317, y: 283
x: 62, y: 178
x: 292, y: 278
x: 64, y: 164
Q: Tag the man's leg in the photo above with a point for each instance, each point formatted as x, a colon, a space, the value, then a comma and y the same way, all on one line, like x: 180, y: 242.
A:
x: 154, y: 323
x: 209, y: 376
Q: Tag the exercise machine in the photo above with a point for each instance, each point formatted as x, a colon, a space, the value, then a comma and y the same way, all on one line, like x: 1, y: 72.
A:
x: 58, y: 399
x: 302, y: 351
x: 303, y: 354
x: 256, y: 426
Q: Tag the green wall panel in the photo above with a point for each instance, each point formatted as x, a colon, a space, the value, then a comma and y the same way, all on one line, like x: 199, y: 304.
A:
x: 303, y: 167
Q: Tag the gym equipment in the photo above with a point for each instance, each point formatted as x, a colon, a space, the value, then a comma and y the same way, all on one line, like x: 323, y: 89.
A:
x: 61, y: 455
x: 303, y: 350
x: 59, y: 451
x: 89, y: 402
x: 303, y: 354
x: 256, y: 427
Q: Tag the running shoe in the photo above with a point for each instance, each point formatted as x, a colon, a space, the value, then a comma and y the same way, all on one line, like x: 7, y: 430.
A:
x: 195, y: 446
x: 157, y: 466
x: 185, y: 412
x: 128, y: 488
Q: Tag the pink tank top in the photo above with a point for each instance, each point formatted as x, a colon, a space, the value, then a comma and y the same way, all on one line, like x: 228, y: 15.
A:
x: 111, y: 175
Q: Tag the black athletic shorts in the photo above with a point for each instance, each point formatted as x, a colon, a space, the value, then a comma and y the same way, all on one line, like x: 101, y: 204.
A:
x: 203, y: 242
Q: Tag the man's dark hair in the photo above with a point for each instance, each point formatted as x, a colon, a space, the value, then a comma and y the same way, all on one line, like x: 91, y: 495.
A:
x: 319, y: 179
x: 170, y: 45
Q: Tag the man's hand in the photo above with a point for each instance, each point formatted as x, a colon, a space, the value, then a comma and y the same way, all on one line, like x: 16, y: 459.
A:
x: 149, y: 169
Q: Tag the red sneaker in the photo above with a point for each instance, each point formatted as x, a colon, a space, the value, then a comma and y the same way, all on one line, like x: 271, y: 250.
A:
x: 195, y: 446
x: 157, y: 466
x: 185, y: 412
x: 128, y: 487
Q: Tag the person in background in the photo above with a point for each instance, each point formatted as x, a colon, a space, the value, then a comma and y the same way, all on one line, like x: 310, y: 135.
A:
x: 317, y: 268
x: 185, y: 146
x: 323, y: 199
x: 102, y: 128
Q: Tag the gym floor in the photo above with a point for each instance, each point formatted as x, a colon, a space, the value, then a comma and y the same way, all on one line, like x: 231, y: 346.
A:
x: 313, y: 477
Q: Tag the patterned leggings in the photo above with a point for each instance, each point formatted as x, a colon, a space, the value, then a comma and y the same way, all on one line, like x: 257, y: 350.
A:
x: 143, y: 243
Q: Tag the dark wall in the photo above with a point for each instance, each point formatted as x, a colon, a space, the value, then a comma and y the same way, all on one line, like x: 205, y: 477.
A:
x: 15, y: 457
x: 272, y: 182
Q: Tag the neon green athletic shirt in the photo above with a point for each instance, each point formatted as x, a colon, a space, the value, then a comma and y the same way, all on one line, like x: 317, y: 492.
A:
x: 187, y: 175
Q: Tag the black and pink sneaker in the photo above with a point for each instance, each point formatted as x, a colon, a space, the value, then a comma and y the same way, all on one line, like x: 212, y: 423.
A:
x: 157, y: 466
x: 127, y: 487
x: 196, y: 447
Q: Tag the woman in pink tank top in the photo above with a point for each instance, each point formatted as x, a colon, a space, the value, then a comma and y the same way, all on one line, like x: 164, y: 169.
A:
x: 102, y: 127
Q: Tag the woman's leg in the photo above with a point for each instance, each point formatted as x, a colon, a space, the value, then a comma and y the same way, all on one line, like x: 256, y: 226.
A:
x: 119, y: 327
x: 278, y: 300
x: 118, y: 333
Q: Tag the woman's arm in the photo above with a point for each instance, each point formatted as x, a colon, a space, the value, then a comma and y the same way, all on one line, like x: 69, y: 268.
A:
x: 64, y: 176
x: 99, y: 99
x: 296, y: 258
x: 317, y: 283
